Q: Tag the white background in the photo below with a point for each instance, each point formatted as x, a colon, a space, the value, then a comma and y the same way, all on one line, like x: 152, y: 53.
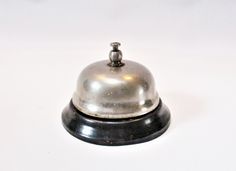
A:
x: 189, y: 46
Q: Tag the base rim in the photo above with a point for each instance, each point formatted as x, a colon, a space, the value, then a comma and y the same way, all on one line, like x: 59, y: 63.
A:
x: 116, y: 131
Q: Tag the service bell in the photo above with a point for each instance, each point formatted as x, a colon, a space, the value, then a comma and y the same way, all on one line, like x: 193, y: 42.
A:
x: 116, y: 103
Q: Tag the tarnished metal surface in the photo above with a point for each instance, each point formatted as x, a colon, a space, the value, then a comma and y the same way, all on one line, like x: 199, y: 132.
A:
x: 114, y: 92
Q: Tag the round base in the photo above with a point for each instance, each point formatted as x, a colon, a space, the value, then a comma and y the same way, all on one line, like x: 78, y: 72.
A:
x: 116, y: 131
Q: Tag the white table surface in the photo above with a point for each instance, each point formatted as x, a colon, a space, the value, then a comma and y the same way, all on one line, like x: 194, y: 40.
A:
x: 189, y: 46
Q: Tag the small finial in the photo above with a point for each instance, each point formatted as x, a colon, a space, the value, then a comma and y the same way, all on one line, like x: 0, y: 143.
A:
x: 115, y: 55
x: 115, y: 45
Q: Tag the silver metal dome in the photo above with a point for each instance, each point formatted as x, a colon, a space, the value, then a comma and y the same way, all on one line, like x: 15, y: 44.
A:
x: 115, y: 89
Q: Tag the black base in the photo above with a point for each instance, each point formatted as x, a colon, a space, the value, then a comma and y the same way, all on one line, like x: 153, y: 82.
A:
x: 116, y: 131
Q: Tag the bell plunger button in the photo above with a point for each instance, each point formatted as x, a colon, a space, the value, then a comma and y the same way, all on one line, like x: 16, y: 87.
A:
x: 115, y: 55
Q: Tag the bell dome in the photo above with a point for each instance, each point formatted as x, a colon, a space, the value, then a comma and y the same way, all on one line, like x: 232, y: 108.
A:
x: 107, y: 91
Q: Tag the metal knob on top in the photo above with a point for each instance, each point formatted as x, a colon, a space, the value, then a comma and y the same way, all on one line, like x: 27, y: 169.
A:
x: 115, y: 55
